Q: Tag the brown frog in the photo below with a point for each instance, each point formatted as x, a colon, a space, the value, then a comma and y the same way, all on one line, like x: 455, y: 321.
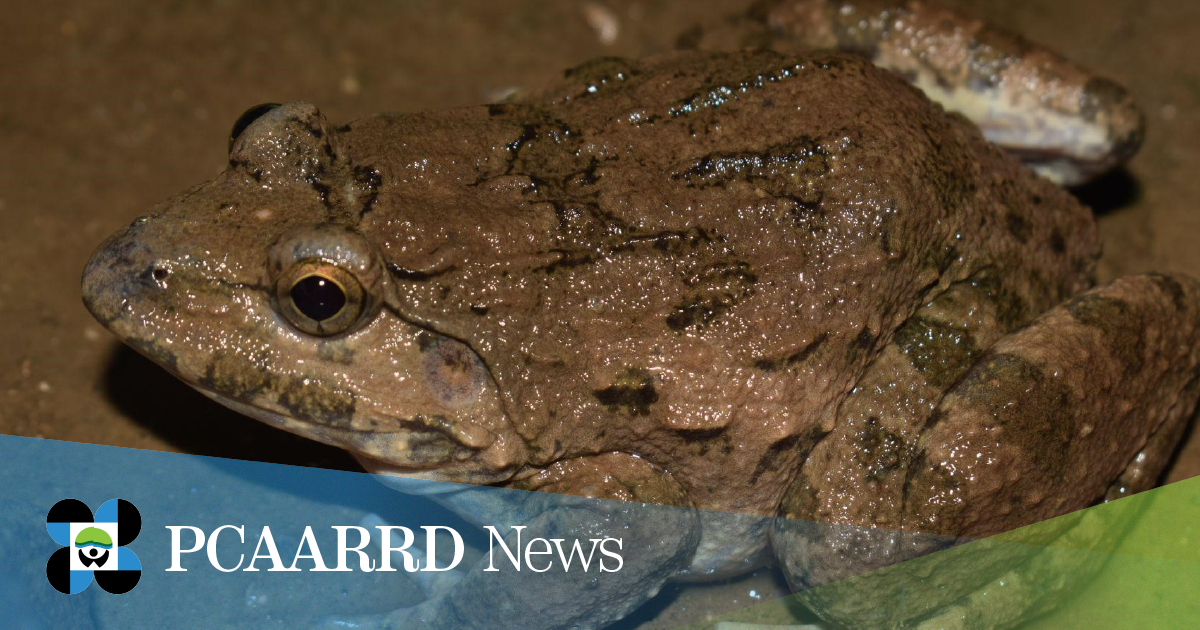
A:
x: 766, y: 282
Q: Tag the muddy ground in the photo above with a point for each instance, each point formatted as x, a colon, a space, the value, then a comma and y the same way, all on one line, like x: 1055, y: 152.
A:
x: 107, y: 108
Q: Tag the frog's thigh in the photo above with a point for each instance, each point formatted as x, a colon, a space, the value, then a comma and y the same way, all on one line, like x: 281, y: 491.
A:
x: 1059, y: 410
x: 844, y: 511
x: 656, y: 542
x: 1094, y: 391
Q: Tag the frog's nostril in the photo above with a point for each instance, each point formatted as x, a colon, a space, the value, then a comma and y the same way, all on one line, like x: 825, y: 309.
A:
x: 156, y: 274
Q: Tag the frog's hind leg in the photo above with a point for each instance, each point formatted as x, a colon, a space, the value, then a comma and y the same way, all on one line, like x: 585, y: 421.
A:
x: 1059, y: 410
x: 1064, y: 121
x: 1088, y: 399
x: 844, y: 512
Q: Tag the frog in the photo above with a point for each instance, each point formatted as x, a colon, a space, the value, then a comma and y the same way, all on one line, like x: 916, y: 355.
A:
x: 826, y: 276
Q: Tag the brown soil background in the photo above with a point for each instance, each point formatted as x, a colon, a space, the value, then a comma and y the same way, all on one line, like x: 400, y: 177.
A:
x: 109, y: 107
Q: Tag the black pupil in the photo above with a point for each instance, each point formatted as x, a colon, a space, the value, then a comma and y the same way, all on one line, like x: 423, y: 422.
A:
x: 318, y: 298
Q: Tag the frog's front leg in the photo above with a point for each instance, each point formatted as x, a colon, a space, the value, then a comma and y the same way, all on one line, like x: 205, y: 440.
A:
x: 607, y: 497
x: 1063, y: 120
x: 1090, y: 397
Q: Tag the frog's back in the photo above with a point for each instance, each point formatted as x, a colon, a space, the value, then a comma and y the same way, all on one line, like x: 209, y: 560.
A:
x: 660, y: 237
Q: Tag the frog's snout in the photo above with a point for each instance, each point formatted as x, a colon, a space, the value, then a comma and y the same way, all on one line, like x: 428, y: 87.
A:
x: 121, y: 269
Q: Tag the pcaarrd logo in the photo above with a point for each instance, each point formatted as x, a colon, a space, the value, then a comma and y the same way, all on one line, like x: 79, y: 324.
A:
x: 93, y: 546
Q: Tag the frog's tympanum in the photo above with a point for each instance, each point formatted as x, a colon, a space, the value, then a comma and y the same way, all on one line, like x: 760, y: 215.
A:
x: 767, y: 282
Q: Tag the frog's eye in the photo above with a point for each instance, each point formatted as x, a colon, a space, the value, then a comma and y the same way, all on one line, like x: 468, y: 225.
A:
x: 246, y: 119
x: 320, y: 298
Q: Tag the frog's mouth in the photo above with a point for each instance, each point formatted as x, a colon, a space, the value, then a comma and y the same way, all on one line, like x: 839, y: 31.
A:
x: 418, y: 453
x: 416, y: 448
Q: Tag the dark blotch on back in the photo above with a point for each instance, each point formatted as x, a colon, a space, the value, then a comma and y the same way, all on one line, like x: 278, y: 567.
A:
x: 772, y: 455
x: 942, y: 352
x: 717, y: 288
x: 567, y: 260
x: 1018, y: 225
x: 774, y: 170
x: 698, y: 312
x: 631, y: 393
x: 793, y: 359
x: 775, y: 454
x: 706, y: 438
x: 370, y: 179
x: 701, y: 435
x: 1057, y: 243
x: 865, y: 339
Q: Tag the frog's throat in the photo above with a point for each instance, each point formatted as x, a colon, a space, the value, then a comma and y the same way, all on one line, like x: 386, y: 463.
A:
x: 414, y: 452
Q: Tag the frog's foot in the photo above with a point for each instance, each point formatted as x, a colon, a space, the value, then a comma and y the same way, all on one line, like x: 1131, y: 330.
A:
x: 1085, y: 403
x: 1064, y: 121
x: 655, y: 543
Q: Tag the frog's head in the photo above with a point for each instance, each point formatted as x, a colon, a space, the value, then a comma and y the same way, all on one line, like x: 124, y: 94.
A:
x: 258, y: 290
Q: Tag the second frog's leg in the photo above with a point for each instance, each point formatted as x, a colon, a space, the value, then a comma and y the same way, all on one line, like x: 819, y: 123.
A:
x: 1090, y: 397
x: 599, y: 497
x: 1061, y: 119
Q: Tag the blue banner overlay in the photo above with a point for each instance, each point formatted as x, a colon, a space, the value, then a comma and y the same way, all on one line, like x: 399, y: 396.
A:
x: 103, y: 537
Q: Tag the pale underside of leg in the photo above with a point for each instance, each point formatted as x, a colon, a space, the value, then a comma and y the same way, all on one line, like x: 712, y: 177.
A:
x: 1062, y: 120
